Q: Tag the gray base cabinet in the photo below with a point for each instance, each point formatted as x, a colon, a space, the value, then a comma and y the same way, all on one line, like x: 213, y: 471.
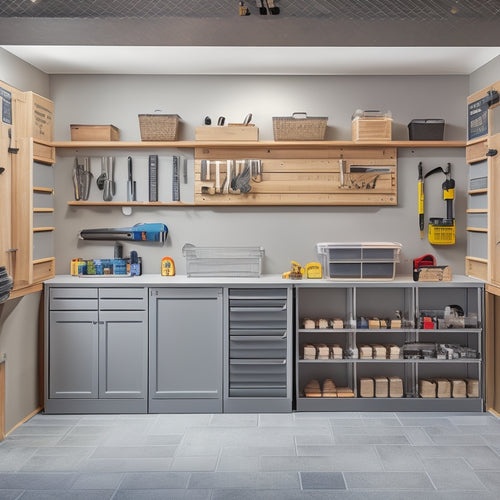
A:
x: 258, y: 350
x: 96, y: 350
x: 185, y: 350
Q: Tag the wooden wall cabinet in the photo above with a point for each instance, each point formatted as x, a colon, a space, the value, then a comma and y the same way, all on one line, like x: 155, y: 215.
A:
x: 483, y: 236
x: 27, y: 189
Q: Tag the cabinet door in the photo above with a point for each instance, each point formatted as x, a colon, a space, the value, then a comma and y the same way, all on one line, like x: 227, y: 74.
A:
x: 73, y: 354
x: 123, y: 354
x: 186, y: 343
x: 494, y: 211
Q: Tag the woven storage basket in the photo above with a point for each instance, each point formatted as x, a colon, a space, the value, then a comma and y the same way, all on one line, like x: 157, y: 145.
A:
x: 158, y: 127
x: 299, y: 127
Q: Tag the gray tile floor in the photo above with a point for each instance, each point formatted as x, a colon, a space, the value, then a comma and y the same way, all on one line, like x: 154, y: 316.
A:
x: 348, y: 456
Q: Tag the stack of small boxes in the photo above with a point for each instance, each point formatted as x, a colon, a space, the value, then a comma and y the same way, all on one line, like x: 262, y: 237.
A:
x: 448, y: 388
x: 381, y: 387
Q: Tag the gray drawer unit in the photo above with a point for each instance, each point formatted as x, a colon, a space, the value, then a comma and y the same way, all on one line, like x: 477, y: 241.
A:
x: 258, y: 350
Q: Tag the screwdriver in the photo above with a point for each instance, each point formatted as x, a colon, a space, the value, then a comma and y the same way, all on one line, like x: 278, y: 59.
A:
x: 421, y: 201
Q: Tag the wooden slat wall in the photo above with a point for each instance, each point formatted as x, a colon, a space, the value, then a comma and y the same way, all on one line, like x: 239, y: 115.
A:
x: 305, y: 176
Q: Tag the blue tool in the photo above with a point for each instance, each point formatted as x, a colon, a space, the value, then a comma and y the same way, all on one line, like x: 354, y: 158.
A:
x: 138, y: 232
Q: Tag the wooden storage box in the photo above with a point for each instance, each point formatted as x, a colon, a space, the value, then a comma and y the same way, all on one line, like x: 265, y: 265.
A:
x: 42, y: 117
x: 227, y: 133
x: 94, y: 133
x: 372, y: 128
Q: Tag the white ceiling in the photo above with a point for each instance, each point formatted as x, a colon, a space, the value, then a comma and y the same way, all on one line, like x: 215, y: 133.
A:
x: 254, y: 60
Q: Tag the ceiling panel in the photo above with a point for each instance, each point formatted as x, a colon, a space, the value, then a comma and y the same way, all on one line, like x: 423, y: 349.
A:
x: 339, y: 9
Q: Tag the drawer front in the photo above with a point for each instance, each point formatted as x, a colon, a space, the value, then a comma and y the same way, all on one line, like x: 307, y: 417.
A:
x: 260, y: 347
x: 124, y: 299
x: 246, y: 318
x: 257, y: 392
x: 257, y: 371
x: 262, y: 332
x: 79, y: 299
x: 257, y: 293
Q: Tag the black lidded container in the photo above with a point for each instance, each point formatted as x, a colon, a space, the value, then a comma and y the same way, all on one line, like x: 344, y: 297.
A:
x: 426, y: 129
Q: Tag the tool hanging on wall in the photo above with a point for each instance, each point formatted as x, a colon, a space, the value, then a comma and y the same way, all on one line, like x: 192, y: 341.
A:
x: 421, y: 220
x: 442, y: 230
x: 139, y: 232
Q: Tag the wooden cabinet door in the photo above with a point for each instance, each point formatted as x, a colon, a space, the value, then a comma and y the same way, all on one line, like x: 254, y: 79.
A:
x: 494, y: 210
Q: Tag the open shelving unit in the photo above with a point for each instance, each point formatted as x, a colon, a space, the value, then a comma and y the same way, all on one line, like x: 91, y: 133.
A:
x: 351, y: 300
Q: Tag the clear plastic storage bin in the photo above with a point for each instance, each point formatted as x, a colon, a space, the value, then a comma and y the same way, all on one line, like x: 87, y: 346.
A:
x: 370, y: 261
x: 223, y: 261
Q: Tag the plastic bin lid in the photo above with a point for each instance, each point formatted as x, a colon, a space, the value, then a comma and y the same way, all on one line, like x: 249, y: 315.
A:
x: 426, y: 121
x: 363, y: 244
x: 190, y: 250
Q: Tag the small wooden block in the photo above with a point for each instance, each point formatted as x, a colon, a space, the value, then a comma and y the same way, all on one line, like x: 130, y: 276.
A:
x: 309, y: 351
x: 366, y: 388
x: 323, y: 351
x: 322, y: 323
x: 427, y: 388
x: 337, y: 324
x: 336, y: 352
x: 443, y: 388
x: 381, y: 387
x: 365, y: 352
x: 309, y: 324
x: 329, y: 388
x: 395, y: 387
x: 458, y: 388
x: 312, y: 389
x: 472, y: 387
x: 379, y: 351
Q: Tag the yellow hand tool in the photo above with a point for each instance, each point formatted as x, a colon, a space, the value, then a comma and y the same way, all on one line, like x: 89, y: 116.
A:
x: 421, y: 200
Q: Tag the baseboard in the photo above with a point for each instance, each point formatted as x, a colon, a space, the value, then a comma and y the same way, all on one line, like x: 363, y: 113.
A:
x: 25, y: 419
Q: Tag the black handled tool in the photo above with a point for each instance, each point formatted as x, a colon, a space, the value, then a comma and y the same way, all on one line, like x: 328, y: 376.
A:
x: 130, y: 182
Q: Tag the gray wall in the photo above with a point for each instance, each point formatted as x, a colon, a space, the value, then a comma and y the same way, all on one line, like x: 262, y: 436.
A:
x: 19, y: 317
x: 286, y: 233
x: 485, y: 75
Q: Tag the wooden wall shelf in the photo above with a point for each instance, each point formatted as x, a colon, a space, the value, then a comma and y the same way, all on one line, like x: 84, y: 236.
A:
x: 129, y: 204
x: 240, y: 144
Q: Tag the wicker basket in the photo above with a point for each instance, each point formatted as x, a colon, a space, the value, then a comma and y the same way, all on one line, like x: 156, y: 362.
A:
x: 158, y: 127
x: 299, y: 127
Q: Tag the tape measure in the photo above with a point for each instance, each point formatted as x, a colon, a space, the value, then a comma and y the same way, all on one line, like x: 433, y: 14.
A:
x: 167, y: 267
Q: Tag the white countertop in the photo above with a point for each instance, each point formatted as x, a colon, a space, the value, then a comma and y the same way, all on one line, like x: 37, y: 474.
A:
x: 264, y: 280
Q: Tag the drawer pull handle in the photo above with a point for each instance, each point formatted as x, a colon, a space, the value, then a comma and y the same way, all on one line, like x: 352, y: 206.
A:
x: 258, y: 338
x: 258, y: 309
x: 258, y: 362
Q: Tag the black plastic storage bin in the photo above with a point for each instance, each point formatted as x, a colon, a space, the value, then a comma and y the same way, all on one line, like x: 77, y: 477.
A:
x: 426, y: 129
